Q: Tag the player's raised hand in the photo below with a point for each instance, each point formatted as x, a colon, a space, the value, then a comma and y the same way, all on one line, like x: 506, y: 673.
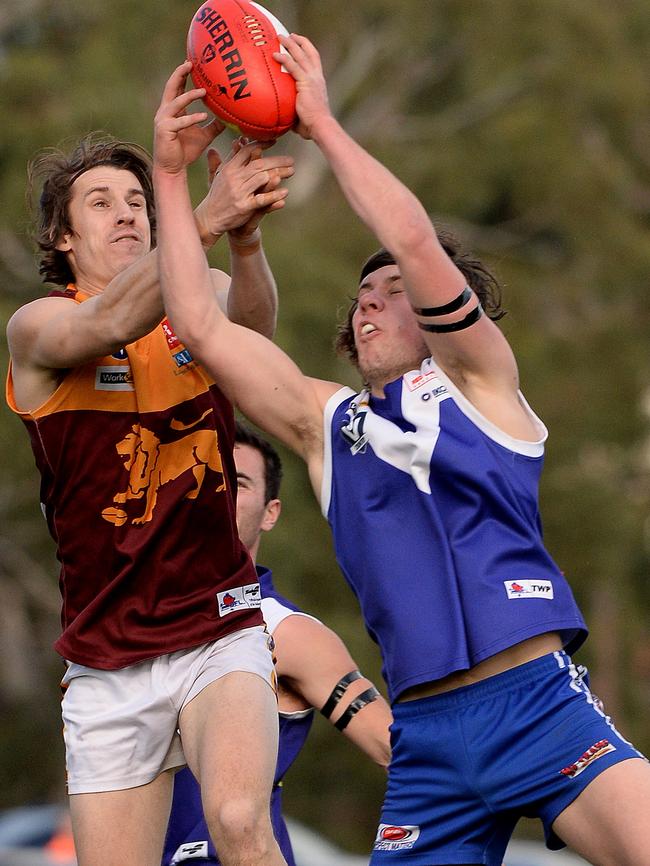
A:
x: 179, y: 138
x: 243, y: 188
x: 303, y: 61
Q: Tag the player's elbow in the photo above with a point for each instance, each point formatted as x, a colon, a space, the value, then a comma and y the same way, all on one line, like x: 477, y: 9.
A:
x: 383, y: 753
x: 415, y: 232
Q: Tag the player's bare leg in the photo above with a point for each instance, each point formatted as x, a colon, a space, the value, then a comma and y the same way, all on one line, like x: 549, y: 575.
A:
x: 122, y: 828
x: 609, y: 823
x: 230, y: 739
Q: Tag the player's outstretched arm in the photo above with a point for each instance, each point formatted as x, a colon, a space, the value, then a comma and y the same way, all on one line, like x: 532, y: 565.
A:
x: 252, y: 298
x: 253, y: 372
x: 401, y: 224
x: 317, y: 665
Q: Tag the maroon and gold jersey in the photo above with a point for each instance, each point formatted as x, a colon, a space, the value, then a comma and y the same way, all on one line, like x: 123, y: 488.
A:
x: 138, y: 488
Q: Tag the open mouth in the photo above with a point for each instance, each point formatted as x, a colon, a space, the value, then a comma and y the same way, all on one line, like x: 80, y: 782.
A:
x: 366, y: 329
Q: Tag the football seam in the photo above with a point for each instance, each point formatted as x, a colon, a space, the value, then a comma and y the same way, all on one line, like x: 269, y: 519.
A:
x: 268, y: 69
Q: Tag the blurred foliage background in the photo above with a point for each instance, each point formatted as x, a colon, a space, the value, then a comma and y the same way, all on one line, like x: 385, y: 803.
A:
x: 523, y: 125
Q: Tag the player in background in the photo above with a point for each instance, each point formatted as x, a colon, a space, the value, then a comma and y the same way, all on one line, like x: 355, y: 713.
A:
x: 314, y: 668
x: 429, y: 479
x: 134, y: 442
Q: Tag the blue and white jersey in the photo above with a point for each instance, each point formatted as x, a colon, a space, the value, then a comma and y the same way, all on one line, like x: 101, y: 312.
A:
x: 434, y: 513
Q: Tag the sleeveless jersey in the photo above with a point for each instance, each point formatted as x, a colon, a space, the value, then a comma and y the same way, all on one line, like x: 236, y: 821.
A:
x: 434, y: 513
x: 187, y: 836
x: 138, y: 488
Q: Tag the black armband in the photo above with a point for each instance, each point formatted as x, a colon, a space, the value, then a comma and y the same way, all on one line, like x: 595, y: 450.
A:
x: 354, y: 706
x: 458, y: 302
x: 338, y: 691
x: 469, y: 320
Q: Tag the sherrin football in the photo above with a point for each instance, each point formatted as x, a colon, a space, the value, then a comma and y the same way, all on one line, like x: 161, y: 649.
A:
x: 231, y: 45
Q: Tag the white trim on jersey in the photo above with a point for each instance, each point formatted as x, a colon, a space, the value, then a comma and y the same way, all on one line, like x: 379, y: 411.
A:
x: 411, y: 452
x: 330, y: 408
x: 519, y: 446
x: 274, y: 613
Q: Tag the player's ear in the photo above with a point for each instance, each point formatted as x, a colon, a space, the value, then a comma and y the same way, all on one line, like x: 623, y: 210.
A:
x: 64, y: 244
x: 271, y: 514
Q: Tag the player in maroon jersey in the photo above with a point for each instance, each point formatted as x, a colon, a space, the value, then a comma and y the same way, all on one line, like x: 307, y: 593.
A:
x: 134, y: 443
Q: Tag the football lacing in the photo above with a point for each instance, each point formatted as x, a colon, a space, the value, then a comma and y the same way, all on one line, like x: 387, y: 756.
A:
x: 256, y: 31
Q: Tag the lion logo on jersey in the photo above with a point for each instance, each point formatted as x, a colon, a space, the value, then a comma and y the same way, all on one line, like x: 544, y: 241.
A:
x: 152, y: 464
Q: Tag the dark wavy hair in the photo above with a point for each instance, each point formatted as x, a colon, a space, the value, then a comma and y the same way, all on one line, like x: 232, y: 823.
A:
x: 478, y: 277
x: 53, y: 171
x: 244, y: 435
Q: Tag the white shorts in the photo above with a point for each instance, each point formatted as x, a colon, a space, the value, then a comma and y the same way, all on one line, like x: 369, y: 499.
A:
x: 121, y: 727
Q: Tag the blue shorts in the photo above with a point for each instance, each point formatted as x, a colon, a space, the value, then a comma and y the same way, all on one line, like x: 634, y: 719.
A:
x: 468, y: 763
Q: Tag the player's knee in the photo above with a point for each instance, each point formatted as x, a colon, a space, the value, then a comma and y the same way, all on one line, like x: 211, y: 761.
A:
x: 241, y: 823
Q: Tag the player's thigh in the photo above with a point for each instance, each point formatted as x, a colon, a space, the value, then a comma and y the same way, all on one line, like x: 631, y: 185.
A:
x: 609, y: 822
x: 122, y: 828
x: 230, y: 737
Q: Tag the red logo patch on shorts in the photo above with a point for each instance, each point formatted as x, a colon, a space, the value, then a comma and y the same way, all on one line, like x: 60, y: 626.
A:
x: 602, y: 747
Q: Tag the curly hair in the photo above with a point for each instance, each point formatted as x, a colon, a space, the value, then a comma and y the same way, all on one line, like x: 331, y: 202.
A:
x: 55, y: 171
x: 478, y: 277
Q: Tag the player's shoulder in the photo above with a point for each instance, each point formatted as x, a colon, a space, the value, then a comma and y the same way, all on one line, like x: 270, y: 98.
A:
x: 325, y: 390
x: 28, y: 319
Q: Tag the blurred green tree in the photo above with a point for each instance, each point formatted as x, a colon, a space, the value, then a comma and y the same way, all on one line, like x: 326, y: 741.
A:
x: 524, y: 128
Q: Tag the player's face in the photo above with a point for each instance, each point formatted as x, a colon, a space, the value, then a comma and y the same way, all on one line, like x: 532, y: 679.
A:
x: 110, y: 226
x: 251, y: 507
x: 386, y: 334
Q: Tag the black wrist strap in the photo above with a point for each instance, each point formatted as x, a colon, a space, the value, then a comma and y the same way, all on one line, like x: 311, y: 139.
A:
x: 354, y: 706
x: 469, y: 320
x: 338, y: 691
x: 458, y: 302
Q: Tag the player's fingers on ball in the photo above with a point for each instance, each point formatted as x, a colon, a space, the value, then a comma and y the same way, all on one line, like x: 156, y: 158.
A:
x: 186, y: 120
x: 295, y: 44
x: 306, y: 46
x: 176, y: 80
x: 180, y: 102
x: 288, y: 57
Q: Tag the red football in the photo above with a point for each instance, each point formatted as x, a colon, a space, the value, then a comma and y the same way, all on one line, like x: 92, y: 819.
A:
x: 231, y: 45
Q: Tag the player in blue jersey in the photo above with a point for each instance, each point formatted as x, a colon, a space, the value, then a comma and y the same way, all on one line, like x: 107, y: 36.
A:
x: 429, y: 479
x: 313, y: 665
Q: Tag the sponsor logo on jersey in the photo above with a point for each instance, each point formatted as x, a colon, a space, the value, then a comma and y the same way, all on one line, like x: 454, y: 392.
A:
x: 529, y: 588
x: 396, y: 837
x: 353, y: 429
x: 172, y: 340
x: 240, y: 596
x: 114, y: 378
x: 190, y: 851
x: 182, y: 358
x: 180, y: 354
x: 440, y: 391
x: 602, y: 747
x: 416, y: 379
x: 120, y: 355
